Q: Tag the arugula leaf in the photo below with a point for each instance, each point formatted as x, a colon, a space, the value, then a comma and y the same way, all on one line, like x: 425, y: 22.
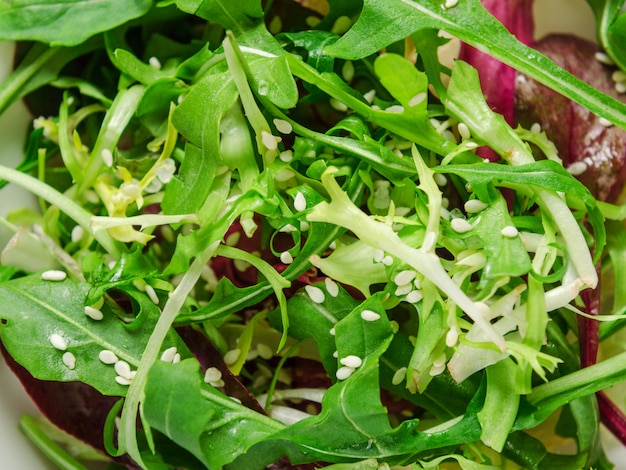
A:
x: 65, y: 22
x: 35, y: 310
x: 383, y: 23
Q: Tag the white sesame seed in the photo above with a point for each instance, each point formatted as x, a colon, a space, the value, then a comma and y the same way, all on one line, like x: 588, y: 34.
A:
x: 288, y: 228
x: 440, y: 360
x: 332, y: 331
x: 414, y: 296
x: 265, y: 351
x: 403, y: 290
x: 336, y: 354
x: 263, y: 88
x: 176, y: 359
x: 347, y: 71
x: 344, y: 372
x: 232, y: 356
x: 369, y: 96
x: 299, y: 202
x: 168, y: 354
x: 620, y: 87
x: 369, y: 315
x: 57, y: 341
x: 452, y: 337
x: 351, y: 361
x: 464, y: 131
x: 460, y: 225
x: 474, y: 205
x: 451, y: 3
x: 123, y: 380
x: 440, y: 179
x: 286, y: 156
x: 509, y: 231
x: 429, y: 241
x: 212, y: 374
x: 69, y: 360
x: 77, y: 233
x: 122, y: 368
x: 155, y: 62
x: 604, y: 58
x: 417, y: 99
x: 604, y: 122
x: 404, y: 277
x: 618, y: 76
x: 332, y: 287
x: 53, y: 275
x: 379, y: 255
x: 107, y: 357
x: 396, y: 108
x: 577, y: 168
x: 286, y: 258
x: 304, y: 226
x: 93, y: 313
x: 387, y: 260
x: 338, y: 105
x: 436, y: 370
x: 315, y: 294
x: 535, y: 128
x: 152, y: 294
x: 107, y: 157
x: 470, y: 145
x: 282, y: 126
x: 399, y: 376
x: 233, y: 239
x: 269, y: 140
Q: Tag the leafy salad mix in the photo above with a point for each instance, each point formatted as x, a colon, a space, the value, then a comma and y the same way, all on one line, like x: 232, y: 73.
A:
x: 290, y: 234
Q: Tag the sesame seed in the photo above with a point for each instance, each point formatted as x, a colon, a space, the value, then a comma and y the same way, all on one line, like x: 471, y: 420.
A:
x: 460, y: 225
x: 464, y: 131
x: 404, y: 289
x: 399, y: 376
x: 286, y: 156
x: 77, y: 234
x: 212, y: 374
x: 378, y: 255
x: 369, y: 315
x: 618, y: 76
x: 577, y: 168
x: 338, y: 105
x: 387, y: 260
x: 336, y: 354
x: 286, y: 258
x: 315, y: 294
x: 107, y: 157
x: 69, y: 360
x: 288, y: 228
x: 154, y: 62
x: 451, y: 3
x: 168, y: 354
x: 369, y: 96
x: 123, y: 380
x: 535, y: 128
x: 344, y: 372
x: 429, y: 241
x: 470, y: 145
x: 452, y: 337
x: 57, y: 341
x: 304, y: 226
x: 417, y: 99
x: 233, y: 239
x: 299, y: 202
x: 107, y: 357
x: 414, y: 296
x: 152, y: 294
x: 604, y: 58
x: 332, y: 287
x: 440, y: 360
x: 351, y: 361
x: 53, y: 275
x: 436, y: 370
x: 263, y: 88
x: 474, y: 205
x: 440, y: 179
x: 265, y: 351
x: 232, y: 356
x: 269, y: 140
x: 332, y: 331
x: 93, y: 313
x: 176, y: 359
x: 282, y: 126
x: 404, y: 277
x: 620, y: 87
x: 604, y: 122
x: 396, y: 108
x: 509, y: 231
x: 347, y: 71
x: 123, y: 369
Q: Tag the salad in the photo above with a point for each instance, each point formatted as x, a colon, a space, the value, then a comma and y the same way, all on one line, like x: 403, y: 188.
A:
x: 297, y: 234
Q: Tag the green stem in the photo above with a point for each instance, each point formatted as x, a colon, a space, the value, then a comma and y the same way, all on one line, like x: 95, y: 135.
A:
x: 65, y: 204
